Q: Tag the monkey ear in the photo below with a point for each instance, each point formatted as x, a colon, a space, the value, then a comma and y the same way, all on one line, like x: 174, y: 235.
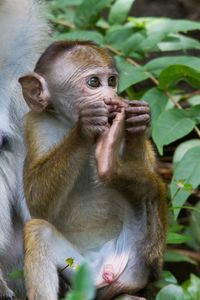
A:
x: 35, y: 91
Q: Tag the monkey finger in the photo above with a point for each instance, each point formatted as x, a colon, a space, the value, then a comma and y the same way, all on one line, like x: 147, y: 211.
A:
x: 141, y: 119
x: 117, y: 102
x: 137, y: 110
x: 91, y: 112
x: 136, y: 103
x: 97, y: 121
x: 136, y: 129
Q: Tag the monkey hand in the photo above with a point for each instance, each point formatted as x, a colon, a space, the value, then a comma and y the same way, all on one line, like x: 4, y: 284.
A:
x: 93, y: 119
x: 137, y: 117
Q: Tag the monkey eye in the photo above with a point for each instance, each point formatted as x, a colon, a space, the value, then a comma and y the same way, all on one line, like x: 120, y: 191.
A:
x: 112, y: 81
x: 94, y: 82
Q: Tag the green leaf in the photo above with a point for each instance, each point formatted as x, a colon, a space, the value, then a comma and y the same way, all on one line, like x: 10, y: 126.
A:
x: 171, y: 126
x: 195, y: 224
x: 117, y: 35
x: 129, y: 74
x: 176, y: 238
x: 168, y: 277
x: 171, y: 292
x: 84, y: 283
x: 157, y: 65
x: 82, y: 35
x: 157, y: 101
x: 194, y: 112
x: 194, y: 100
x: 189, y: 169
x: 158, y: 29
x: 178, y: 42
x: 119, y: 11
x: 183, y: 148
x: 173, y: 74
x: 17, y: 274
x: 174, y: 256
x: 192, y: 288
x: 89, y: 11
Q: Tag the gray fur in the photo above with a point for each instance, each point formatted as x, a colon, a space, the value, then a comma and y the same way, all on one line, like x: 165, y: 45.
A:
x: 24, y: 34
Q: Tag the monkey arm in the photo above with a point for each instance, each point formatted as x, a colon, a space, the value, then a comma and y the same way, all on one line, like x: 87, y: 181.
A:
x: 133, y: 175
x: 47, y: 174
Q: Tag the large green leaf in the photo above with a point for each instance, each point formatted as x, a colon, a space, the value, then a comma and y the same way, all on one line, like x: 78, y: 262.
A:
x: 119, y: 11
x: 189, y: 170
x: 171, y: 75
x: 158, y: 29
x: 178, y: 42
x: 82, y: 35
x: 183, y: 148
x: 129, y: 74
x: 157, y: 101
x: 171, y: 292
x: 171, y: 126
x: 116, y: 36
x: 88, y: 12
x: 157, y: 65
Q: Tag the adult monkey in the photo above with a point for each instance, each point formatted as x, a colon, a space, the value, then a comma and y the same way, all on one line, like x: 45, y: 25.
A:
x: 23, y: 37
x: 110, y: 212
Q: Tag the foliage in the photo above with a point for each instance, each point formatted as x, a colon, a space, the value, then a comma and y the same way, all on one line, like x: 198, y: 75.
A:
x: 170, y: 83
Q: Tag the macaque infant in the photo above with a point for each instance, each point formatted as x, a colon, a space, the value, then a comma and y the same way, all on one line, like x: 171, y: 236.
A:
x: 89, y: 177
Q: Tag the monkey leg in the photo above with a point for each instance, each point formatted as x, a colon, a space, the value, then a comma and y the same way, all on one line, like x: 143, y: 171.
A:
x: 46, y: 251
x: 5, y: 292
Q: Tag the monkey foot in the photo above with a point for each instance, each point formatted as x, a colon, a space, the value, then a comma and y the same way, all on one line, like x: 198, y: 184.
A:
x: 6, y: 293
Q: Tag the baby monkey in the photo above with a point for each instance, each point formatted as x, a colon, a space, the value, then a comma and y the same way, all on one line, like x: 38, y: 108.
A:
x: 89, y: 177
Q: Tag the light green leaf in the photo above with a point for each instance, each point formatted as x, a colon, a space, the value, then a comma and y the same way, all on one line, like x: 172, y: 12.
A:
x: 183, y: 148
x: 171, y: 126
x: 194, y: 100
x: 176, y: 238
x: 173, y: 74
x: 157, y: 65
x: 189, y: 169
x: 192, y: 288
x: 171, y: 292
x: 174, y: 256
x: 157, y: 101
x: 178, y: 42
x: 119, y: 11
x: 82, y: 35
x: 129, y: 74
x: 84, y: 283
x: 88, y: 12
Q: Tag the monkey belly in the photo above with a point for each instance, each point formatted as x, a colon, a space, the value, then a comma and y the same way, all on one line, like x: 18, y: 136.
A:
x: 103, y: 226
